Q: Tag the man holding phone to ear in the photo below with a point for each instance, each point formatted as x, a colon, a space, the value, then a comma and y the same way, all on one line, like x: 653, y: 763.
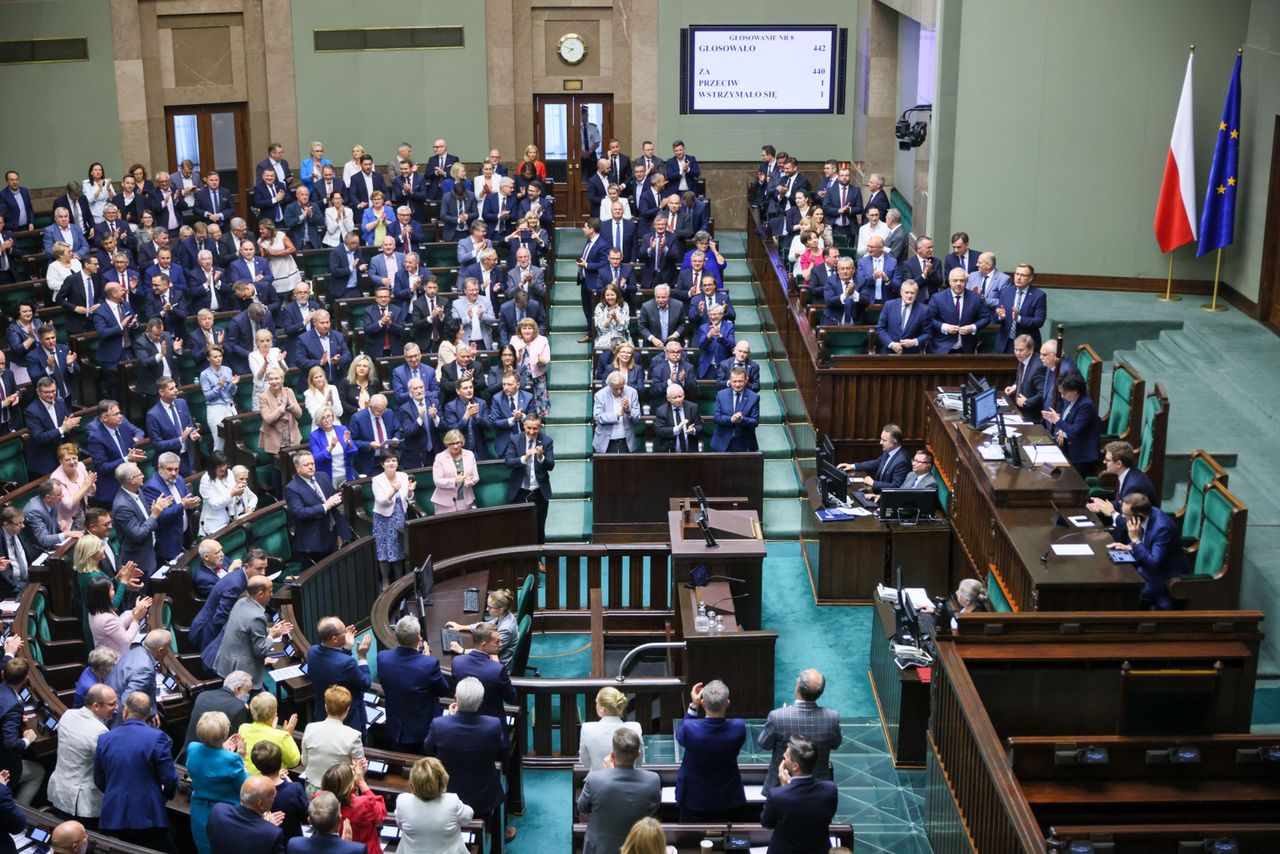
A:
x: 1155, y: 544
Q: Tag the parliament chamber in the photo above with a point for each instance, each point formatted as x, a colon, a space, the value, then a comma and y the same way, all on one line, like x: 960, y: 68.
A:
x: 828, y: 535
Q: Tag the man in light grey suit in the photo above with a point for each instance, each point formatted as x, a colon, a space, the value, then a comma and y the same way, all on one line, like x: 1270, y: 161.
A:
x: 895, y: 244
x: 136, y: 669
x: 617, y: 796
x: 527, y: 276
x: 41, y: 515
x: 821, y: 726
x: 246, y: 638
x: 987, y: 280
x: 921, y: 476
x: 71, y: 788
x: 475, y: 313
x: 615, y: 411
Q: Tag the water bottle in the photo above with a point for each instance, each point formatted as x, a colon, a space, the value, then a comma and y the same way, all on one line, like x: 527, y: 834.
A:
x: 701, y: 622
x: 711, y: 620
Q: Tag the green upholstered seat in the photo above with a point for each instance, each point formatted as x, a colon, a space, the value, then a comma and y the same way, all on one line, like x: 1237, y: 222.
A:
x: 944, y: 494
x: 527, y: 598
x: 13, y: 462
x: 1201, y: 475
x: 1119, y: 407
x: 847, y: 341
x: 995, y: 595
x: 1214, y: 535
x: 271, y: 534
x: 1152, y: 408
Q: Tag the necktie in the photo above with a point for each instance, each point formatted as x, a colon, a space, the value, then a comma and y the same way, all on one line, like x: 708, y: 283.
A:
x: 19, y: 558
x: 671, y: 222
x: 88, y: 289
x: 1022, y: 369
x: 115, y: 434
x: 906, y: 312
x: 958, y: 300
x: 679, y: 413
x: 616, y: 175
x: 737, y: 398
x: 377, y: 429
x: 662, y: 319
x: 657, y: 252
x: 884, y: 464
x: 985, y: 280
x: 1017, y: 309
x: 617, y: 234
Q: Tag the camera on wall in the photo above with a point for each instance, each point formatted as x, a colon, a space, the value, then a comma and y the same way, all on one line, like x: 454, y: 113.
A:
x: 911, y: 134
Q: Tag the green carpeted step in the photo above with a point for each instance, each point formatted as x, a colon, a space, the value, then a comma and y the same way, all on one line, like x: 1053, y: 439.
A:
x: 569, y: 519
x: 573, y: 442
x: 774, y: 441
x: 768, y: 377
x: 567, y: 268
x: 737, y: 270
x: 570, y: 372
x: 570, y: 407
x: 781, y: 518
x: 742, y: 293
x: 748, y: 320
x: 771, y: 411
x: 571, y: 478
x: 780, y: 479
x: 566, y: 293
x: 567, y: 318
x: 731, y: 243
x: 564, y: 343
x: 570, y: 241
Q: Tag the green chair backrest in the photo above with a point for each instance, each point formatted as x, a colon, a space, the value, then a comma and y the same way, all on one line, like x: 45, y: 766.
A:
x: 1118, y: 414
x: 491, y: 491
x: 1214, y: 534
x: 13, y: 463
x: 422, y: 494
x: 527, y: 598
x: 1083, y: 362
x: 524, y: 638
x: 1202, y: 474
x: 251, y: 427
x: 944, y: 494
x: 234, y: 542
x: 847, y: 342
x: 1151, y: 408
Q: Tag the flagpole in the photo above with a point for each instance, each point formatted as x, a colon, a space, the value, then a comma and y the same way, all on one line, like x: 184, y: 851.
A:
x: 1169, y: 295
x: 1213, y: 306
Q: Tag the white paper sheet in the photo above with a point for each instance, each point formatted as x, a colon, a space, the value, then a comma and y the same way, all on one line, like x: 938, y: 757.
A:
x: 1081, y: 521
x: 1072, y: 549
x: 283, y: 674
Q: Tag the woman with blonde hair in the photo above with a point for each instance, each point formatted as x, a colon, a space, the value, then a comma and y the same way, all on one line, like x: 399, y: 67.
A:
x: 264, y: 356
x: 86, y: 558
x: 280, y: 413
x: 263, y: 709
x: 596, y: 740
x: 533, y: 356
x: 455, y: 475
x: 321, y: 395
x: 430, y: 817
x: 376, y: 218
x: 216, y: 765
x: 498, y: 606
x: 62, y: 266
x: 646, y: 837
x: 360, y: 384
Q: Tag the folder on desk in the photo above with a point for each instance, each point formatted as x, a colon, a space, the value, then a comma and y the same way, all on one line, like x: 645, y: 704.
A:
x: 1047, y: 453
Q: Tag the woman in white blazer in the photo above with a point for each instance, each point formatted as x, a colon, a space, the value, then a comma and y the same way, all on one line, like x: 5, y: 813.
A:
x: 224, y: 495
x: 338, y: 221
x: 392, y: 495
x: 455, y: 474
x: 595, y: 741
x: 430, y: 818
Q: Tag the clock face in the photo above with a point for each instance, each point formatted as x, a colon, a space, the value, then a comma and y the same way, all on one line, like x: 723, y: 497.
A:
x: 572, y: 48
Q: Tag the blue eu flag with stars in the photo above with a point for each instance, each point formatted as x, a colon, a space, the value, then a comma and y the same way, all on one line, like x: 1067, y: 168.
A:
x: 1217, y: 222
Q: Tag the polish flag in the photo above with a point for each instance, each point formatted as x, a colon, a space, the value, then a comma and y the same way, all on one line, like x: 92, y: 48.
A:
x: 1175, y: 222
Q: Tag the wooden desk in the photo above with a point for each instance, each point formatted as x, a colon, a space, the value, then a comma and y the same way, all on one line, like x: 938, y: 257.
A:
x: 856, y: 555
x: 901, y: 697
x: 742, y: 659
x: 734, y: 556
x: 446, y: 598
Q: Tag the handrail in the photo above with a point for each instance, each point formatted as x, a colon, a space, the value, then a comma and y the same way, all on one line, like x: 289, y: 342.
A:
x: 634, y: 653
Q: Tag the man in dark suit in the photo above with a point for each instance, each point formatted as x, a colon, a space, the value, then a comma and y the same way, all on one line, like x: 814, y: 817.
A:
x: 842, y: 205
x: 679, y: 220
x: 276, y: 163
x: 1151, y: 536
x: 412, y: 684
x: 133, y: 768
x: 325, y: 815
x: 384, y: 326
x: 682, y: 169
x: 737, y: 413
x: 296, y: 314
x: 741, y: 359
x: 530, y: 456
x: 241, y: 332
x: 427, y: 316
x: 167, y: 303
x: 24, y: 775
x: 437, y: 168
x: 619, y: 165
x: 465, y: 366
x: 1055, y: 367
x: 670, y: 368
x: 270, y: 196
x: 822, y: 275
x: 488, y: 273
x: 8, y: 257
x: 40, y: 513
x: 598, y: 185
x: 591, y: 263
x: 156, y: 352
x: 705, y: 297
x: 615, y: 797
x: 677, y: 423
x: 481, y: 661
x: 876, y: 195
x: 49, y: 422
x: 659, y: 256
x: 876, y: 274
x: 417, y: 416
x: 459, y: 212
x: 174, y: 529
x: 9, y: 397
x: 518, y: 308
x: 506, y: 413
x: 321, y: 346
x: 17, y: 553
x: 374, y: 430
x: 320, y: 526
x: 958, y: 316
x: 924, y: 268
x: 79, y: 296
x: 708, y: 784
x: 904, y: 325
x: 662, y: 320
x: 845, y: 304
x: 135, y: 519
x: 409, y: 190
x: 800, y: 809
x: 241, y: 827
x: 406, y: 231
x: 304, y: 220
x: 895, y: 242
x: 330, y: 663
x: 469, y: 743
x: 1023, y: 309
x: 1074, y: 424
x: 888, y: 470
x: 214, y: 204
x: 15, y: 204
x: 112, y: 440
x: 804, y: 718
x: 620, y: 233
x: 1027, y: 391
x: 325, y: 186
x: 960, y: 256
x: 208, y: 623
x: 363, y: 185
x: 1121, y: 461
x: 56, y: 361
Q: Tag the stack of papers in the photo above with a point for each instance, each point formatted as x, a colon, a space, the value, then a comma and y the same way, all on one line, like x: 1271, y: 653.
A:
x: 283, y: 674
x: 991, y: 452
x: 1072, y: 549
x: 1081, y: 521
x: 1050, y: 454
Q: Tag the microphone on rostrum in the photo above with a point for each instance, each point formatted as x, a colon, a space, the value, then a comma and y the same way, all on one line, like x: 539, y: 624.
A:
x: 727, y: 599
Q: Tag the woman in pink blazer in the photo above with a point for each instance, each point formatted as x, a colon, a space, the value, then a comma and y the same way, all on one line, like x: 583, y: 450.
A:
x: 455, y: 473
x: 533, y: 355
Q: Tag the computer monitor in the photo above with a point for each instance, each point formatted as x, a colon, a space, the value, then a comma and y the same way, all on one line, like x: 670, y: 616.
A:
x: 908, y: 505
x: 832, y: 483
x: 982, y: 408
x: 827, y: 449
x: 425, y: 580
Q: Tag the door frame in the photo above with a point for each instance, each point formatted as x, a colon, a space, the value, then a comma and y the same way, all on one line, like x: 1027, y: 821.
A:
x: 571, y: 202
x: 1269, y: 273
x: 204, y: 131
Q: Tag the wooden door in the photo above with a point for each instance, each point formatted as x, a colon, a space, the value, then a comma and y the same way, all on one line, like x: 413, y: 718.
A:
x: 572, y: 132
x: 1269, y: 278
x: 216, y: 139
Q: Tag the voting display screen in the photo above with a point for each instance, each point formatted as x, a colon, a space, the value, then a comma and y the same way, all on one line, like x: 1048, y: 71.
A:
x: 762, y: 69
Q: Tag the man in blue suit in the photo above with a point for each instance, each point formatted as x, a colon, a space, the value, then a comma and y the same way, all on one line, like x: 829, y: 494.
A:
x: 1152, y: 537
x: 958, y: 315
x: 276, y: 163
x: 987, y: 281
x: 319, y: 525
x: 15, y: 204
x: 1074, y: 424
x: 1027, y: 390
x: 330, y: 663
x: 682, y: 169
x: 904, y: 325
x: 799, y: 810
x: 113, y: 440
x: 80, y: 294
x: 530, y: 457
x: 707, y: 296
x: 887, y: 471
x: 1022, y: 309
x: 1055, y: 367
x: 53, y: 360
x: 412, y: 684
x: 960, y: 256
x: 49, y: 422
x: 384, y: 326
x: 170, y: 425
x: 741, y: 358
x: 465, y: 413
x: 135, y: 519
x: 708, y: 784
x: 715, y: 339
x: 1121, y: 461
x: 591, y: 263
x: 409, y: 190
x: 506, y: 413
x: 499, y: 210
x: 417, y: 416
x: 242, y: 827
x: 481, y: 662
x: 133, y: 768
x: 924, y: 268
x: 469, y: 743
x: 876, y: 274
x: 325, y: 815
x: 846, y: 304
x: 842, y: 204
x: 406, y: 231
x: 438, y: 167
x: 304, y: 220
x: 296, y: 314
x: 414, y: 367
x: 269, y: 196
x: 737, y: 413
x: 345, y: 268
x: 208, y: 623
x: 384, y: 266
x: 516, y: 309
x: 214, y: 204
x: 321, y: 346
x: 24, y: 774
x: 239, y: 342
x: 174, y: 531
x: 251, y: 267
x: 620, y: 233
x: 363, y: 185
x: 374, y: 429
x: 63, y: 230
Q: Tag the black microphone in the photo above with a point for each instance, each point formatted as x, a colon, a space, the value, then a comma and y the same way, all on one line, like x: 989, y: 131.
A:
x: 727, y: 578
x: 727, y: 599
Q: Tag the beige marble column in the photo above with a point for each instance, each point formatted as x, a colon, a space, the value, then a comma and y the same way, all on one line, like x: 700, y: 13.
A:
x: 131, y: 107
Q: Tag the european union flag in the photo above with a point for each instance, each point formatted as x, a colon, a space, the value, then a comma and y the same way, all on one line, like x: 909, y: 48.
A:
x: 1217, y: 222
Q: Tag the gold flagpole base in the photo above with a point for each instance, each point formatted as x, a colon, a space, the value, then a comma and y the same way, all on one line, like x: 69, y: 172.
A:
x: 1213, y: 306
x: 1169, y: 298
